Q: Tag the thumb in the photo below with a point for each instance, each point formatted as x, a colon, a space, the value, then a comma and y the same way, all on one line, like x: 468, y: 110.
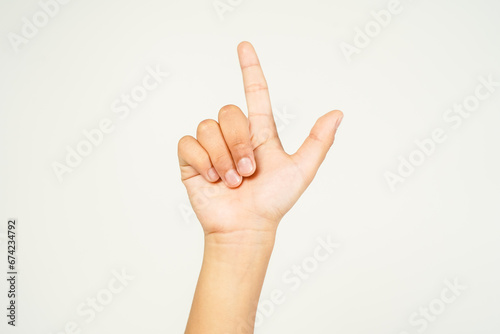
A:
x: 314, y: 149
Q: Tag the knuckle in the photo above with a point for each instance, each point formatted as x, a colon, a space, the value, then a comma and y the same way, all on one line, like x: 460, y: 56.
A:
x: 227, y: 110
x: 240, y: 145
x: 255, y: 87
x: 183, y: 141
x: 322, y: 140
x: 316, y: 137
x: 222, y: 161
x: 202, y: 162
x: 206, y: 126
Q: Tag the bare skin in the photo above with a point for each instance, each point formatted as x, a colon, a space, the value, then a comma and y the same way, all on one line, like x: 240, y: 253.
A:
x: 241, y: 183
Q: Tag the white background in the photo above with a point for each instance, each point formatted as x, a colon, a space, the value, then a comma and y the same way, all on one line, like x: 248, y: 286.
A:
x: 124, y: 206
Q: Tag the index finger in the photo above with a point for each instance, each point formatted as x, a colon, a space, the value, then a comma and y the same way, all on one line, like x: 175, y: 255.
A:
x: 260, y: 114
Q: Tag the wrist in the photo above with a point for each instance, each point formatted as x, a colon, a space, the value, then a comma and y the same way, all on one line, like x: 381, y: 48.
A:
x: 231, y: 279
x: 240, y: 230
x: 241, y: 238
x: 239, y: 247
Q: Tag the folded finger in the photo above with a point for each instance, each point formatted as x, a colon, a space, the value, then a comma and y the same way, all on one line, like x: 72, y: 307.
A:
x: 210, y: 136
x: 236, y: 132
x: 194, y: 160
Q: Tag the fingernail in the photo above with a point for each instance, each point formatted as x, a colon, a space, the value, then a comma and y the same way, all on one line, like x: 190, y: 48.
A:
x: 212, y: 174
x: 232, y: 177
x: 245, y: 166
x: 337, y: 123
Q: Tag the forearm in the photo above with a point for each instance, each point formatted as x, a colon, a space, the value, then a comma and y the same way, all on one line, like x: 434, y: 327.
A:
x: 230, y: 282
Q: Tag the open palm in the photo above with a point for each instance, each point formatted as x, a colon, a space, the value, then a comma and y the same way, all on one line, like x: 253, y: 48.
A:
x: 237, y: 175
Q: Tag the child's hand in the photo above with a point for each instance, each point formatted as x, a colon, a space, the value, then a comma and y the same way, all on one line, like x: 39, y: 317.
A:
x: 241, y: 182
x: 238, y: 177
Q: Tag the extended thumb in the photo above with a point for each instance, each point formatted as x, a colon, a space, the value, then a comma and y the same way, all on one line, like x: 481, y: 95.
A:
x: 314, y: 149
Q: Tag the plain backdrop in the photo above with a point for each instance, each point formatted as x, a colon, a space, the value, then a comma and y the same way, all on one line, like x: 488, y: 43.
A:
x: 123, y: 208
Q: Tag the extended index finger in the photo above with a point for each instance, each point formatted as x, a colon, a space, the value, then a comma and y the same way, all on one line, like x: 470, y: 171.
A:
x: 260, y: 113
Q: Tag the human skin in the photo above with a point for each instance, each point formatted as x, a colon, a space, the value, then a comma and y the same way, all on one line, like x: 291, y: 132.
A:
x: 241, y: 183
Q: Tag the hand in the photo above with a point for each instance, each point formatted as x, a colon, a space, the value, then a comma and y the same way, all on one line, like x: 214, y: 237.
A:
x: 240, y: 183
x: 237, y: 175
